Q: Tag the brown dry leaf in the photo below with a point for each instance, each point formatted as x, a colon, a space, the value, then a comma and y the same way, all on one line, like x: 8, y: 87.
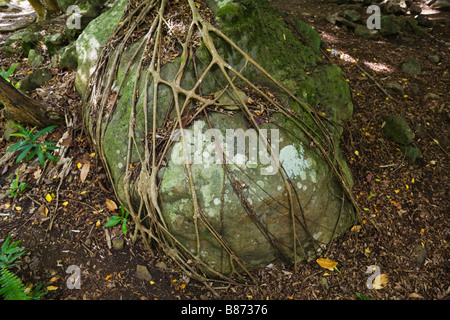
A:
x: 327, y: 263
x: 415, y: 295
x: 37, y: 174
x: 85, y: 171
x: 43, y: 211
x: 111, y: 205
x: 380, y: 281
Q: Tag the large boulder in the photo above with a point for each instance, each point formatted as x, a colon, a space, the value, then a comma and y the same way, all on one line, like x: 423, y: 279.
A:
x: 245, y: 199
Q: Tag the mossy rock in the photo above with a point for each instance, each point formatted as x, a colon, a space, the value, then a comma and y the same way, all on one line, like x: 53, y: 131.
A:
x: 411, y: 66
x: 397, y: 130
x: 289, y: 51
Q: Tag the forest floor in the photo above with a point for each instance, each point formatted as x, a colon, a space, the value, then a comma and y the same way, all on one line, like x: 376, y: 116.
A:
x: 403, y: 233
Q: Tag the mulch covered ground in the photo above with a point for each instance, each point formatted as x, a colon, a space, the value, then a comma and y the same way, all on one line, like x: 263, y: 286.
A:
x: 403, y: 232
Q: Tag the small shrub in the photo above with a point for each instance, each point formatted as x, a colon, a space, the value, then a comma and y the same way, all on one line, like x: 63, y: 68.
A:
x: 15, y: 188
x: 114, y: 220
x: 30, y: 147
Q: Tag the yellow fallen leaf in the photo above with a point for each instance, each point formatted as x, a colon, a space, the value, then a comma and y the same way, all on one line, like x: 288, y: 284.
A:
x: 83, y: 192
x: 152, y: 282
x: 98, y: 223
x: 52, y: 288
x: 92, y: 155
x: 380, y: 281
x: 327, y: 263
x: 54, y: 279
x: 357, y: 152
x: 8, y: 205
x: 355, y: 228
x: 65, y: 203
x: 182, y: 286
x: 107, y: 277
x: 79, y: 165
x: 48, y: 197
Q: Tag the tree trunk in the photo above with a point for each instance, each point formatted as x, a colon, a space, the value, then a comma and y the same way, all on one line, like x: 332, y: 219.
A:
x: 38, y: 7
x: 52, y: 5
x: 41, y: 10
x: 22, y: 108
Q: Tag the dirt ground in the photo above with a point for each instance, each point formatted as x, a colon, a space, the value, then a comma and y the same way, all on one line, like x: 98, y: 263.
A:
x: 403, y: 233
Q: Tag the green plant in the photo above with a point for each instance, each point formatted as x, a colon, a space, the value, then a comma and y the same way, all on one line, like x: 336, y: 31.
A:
x: 362, y: 296
x: 114, y: 220
x: 15, y: 188
x: 10, y: 252
x: 6, y: 74
x: 11, y: 287
x: 31, y: 147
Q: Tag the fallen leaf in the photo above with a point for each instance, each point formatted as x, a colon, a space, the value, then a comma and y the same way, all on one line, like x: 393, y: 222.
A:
x: 54, y: 279
x: 380, y: 281
x: 66, y: 141
x: 52, y: 288
x: 111, y: 205
x: 84, y: 171
x: 355, y: 228
x: 43, y: 210
x: 37, y: 174
x: 48, y: 197
x: 327, y: 263
x: 79, y: 165
x: 415, y: 295
x: 65, y: 203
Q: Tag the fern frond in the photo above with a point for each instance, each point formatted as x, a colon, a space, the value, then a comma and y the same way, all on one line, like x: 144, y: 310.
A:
x: 11, y: 287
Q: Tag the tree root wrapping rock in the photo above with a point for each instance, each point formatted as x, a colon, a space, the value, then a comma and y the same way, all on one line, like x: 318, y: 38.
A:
x: 222, y: 186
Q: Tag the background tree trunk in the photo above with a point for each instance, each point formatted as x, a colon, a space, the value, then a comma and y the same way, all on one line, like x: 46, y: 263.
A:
x: 41, y: 9
x: 52, y: 5
x: 22, y: 108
